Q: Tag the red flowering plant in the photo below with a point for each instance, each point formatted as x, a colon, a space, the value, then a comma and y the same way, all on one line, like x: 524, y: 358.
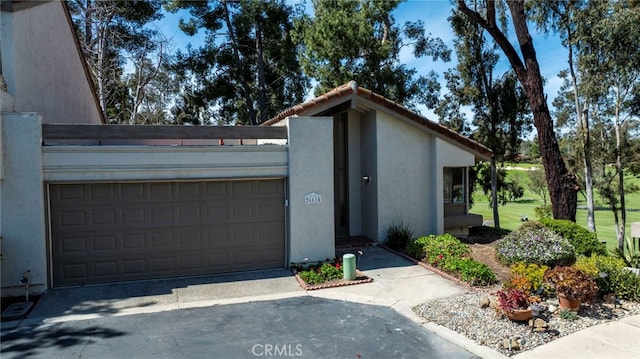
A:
x: 511, y: 299
x: 320, y: 272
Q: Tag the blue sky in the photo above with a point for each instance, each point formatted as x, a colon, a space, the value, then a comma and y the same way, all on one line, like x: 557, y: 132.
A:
x: 434, y: 13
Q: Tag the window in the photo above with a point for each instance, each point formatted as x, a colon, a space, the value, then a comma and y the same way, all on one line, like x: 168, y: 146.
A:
x: 454, y: 185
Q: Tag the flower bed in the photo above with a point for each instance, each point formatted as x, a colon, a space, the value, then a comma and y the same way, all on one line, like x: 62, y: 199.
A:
x: 325, y: 275
x: 451, y: 256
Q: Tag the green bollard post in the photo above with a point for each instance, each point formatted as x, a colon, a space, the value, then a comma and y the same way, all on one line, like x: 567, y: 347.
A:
x: 349, y: 266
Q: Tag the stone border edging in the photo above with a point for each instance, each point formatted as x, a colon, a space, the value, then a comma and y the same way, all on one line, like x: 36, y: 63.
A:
x: 306, y: 286
x: 431, y: 268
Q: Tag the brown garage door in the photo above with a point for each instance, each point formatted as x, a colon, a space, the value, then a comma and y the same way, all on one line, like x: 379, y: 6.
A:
x: 109, y: 232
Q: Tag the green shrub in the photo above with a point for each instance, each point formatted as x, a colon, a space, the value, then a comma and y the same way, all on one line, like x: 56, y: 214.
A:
x: 444, y: 246
x: 533, y: 243
x: 534, y: 273
x: 417, y: 249
x: 543, y: 212
x: 326, y: 272
x: 585, y: 243
x: 568, y: 314
x: 470, y: 271
x: 597, y: 264
x: 448, y: 253
x: 398, y: 235
x: 611, y: 277
x: 625, y: 284
x: 630, y: 254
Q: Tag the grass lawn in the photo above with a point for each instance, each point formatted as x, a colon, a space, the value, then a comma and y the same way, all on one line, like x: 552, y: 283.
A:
x: 512, y: 212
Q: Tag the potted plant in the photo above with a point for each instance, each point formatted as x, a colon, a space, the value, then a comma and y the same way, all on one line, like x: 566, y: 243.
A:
x: 514, y: 303
x: 572, y: 286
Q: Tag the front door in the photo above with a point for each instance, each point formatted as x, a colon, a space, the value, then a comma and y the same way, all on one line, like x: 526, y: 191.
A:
x: 341, y: 184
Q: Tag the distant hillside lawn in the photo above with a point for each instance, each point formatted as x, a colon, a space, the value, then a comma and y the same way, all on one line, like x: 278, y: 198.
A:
x: 512, y: 213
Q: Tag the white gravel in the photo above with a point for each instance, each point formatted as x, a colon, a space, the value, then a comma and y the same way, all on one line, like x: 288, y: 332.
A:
x: 487, y: 327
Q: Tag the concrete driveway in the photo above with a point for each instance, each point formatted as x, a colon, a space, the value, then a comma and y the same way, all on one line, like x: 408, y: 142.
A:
x: 265, y: 307
x: 304, y: 327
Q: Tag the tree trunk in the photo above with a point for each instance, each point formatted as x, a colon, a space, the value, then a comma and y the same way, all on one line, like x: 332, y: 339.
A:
x: 244, y: 84
x: 620, y: 227
x: 563, y: 185
x: 583, y: 119
x: 262, y: 86
x: 494, y: 193
x: 100, y: 73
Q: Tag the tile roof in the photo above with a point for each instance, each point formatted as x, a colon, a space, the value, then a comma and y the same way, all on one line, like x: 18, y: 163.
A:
x: 352, y: 88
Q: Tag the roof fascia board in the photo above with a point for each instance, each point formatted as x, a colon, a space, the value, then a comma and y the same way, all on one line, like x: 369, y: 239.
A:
x: 326, y: 106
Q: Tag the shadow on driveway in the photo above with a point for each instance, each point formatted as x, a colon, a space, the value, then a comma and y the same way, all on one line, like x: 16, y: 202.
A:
x: 27, y: 342
x: 109, y: 299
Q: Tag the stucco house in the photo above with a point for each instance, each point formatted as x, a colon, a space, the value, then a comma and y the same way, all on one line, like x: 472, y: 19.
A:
x: 392, y: 165
x: 84, y: 203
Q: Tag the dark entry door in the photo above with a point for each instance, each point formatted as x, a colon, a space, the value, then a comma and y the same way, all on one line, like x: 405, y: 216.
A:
x: 341, y: 175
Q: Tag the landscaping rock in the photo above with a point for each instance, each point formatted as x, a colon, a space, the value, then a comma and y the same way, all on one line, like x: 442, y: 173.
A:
x: 484, y: 302
x: 512, y: 343
x: 462, y: 314
x: 610, y: 298
x: 539, y: 325
x: 552, y: 308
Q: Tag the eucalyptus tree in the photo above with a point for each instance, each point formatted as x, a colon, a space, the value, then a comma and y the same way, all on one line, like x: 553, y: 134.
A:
x: 565, y: 17
x: 498, y: 104
x: 108, y: 31
x: 359, y: 40
x: 247, y: 69
x: 610, y: 65
x: 563, y: 185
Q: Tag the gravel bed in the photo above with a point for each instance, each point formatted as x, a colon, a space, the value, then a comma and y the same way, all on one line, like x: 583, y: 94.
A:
x: 487, y: 327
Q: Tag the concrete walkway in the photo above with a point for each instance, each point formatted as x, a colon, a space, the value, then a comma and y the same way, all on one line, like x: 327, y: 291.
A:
x: 398, y: 284
x: 619, y: 339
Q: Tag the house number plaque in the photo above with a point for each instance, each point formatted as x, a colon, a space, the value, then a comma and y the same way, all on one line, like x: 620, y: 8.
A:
x: 312, y: 198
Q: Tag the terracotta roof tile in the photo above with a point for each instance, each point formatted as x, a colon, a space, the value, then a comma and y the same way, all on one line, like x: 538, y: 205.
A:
x: 352, y: 88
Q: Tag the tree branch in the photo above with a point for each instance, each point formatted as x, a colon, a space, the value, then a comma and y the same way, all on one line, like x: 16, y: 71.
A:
x: 489, y: 24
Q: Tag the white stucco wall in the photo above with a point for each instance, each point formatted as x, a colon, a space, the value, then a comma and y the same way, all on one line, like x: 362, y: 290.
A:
x: 43, y: 68
x: 22, y: 212
x: 406, y: 178
x: 311, y: 226
x: 447, y: 155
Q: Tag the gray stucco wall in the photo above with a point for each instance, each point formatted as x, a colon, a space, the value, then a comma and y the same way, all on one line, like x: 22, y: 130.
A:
x: 42, y: 66
x: 311, y: 226
x: 22, y: 212
x: 406, y: 176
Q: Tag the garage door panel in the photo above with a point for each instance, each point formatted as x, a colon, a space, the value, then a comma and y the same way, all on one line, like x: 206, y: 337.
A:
x: 112, y: 232
x: 105, y: 243
x: 75, y: 271
x: 135, y: 266
x: 131, y: 191
x: 105, y: 269
x: 72, y: 244
x: 132, y: 241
